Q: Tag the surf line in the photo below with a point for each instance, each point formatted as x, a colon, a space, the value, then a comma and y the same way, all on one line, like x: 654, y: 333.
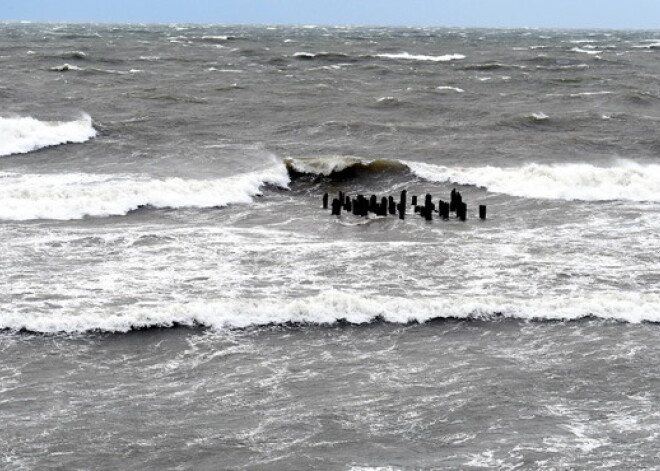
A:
x: 361, y: 206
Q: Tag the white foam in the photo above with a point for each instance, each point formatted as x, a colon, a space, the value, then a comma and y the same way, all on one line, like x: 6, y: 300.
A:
x: 331, y: 307
x: 76, y: 195
x: 420, y: 57
x: 19, y: 135
x: 585, y: 51
x: 456, y: 89
x: 625, y: 180
x: 540, y: 116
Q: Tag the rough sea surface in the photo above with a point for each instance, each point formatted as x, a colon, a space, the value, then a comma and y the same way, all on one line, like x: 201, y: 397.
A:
x: 173, y: 295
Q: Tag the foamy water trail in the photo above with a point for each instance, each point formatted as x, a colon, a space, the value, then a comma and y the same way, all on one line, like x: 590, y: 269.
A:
x: 626, y: 180
x: 19, y: 135
x: 76, y: 195
x: 332, y: 307
x: 421, y: 57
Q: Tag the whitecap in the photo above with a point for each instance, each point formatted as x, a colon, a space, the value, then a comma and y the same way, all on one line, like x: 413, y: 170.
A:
x: 420, y: 57
x: 19, y: 135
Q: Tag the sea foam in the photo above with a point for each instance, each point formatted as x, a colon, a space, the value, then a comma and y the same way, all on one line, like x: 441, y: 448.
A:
x: 20, y: 135
x: 76, y: 195
x: 626, y: 180
x: 332, y: 307
x: 421, y: 57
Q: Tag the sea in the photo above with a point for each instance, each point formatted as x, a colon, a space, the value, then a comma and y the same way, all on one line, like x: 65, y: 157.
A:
x: 173, y: 295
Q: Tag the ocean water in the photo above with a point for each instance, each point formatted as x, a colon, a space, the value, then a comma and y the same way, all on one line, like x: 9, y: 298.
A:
x: 174, y: 296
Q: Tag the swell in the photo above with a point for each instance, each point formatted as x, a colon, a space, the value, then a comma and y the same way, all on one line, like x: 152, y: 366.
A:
x: 337, y: 307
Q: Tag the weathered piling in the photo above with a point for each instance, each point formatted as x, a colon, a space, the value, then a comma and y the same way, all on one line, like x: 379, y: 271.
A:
x: 336, y: 207
x: 482, y: 211
x: 383, y: 207
x: 391, y: 205
x: 373, y: 204
x: 402, y: 204
x: 348, y: 206
x: 461, y: 211
x: 325, y: 200
x: 413, y: 200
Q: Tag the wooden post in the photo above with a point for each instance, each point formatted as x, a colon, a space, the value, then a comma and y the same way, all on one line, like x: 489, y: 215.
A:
x: 482, y: 211
x: 336, y: 207
x: 383, y: 206
x: 462, y: 211
x: 402, y: 205
x: 414, y: 201
x: 392, y: 205
x: 373, y: 204
x: 325, y: 200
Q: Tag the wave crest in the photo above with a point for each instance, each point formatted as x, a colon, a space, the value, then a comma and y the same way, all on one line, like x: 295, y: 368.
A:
x: 332, y: 307
x: 20, y: 135
x: 342, y: 166
x: 624, y: 181
x: 74, y: 196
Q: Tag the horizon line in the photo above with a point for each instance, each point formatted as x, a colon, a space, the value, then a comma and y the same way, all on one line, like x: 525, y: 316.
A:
x: 331, y: 25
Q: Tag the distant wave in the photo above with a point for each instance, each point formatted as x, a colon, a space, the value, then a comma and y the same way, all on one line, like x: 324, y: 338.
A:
x: 76, y: 195
x: 325, y: 56
x: 332, y: 307
x: 92, y: 70
x: 421, y: 57
x: 586, y: 51
x: 19, y: 135
x: 337, y: 56
x: 624, y: 181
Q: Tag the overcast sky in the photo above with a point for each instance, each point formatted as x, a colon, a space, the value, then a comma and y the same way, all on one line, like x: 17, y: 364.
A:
x: 643, y: 14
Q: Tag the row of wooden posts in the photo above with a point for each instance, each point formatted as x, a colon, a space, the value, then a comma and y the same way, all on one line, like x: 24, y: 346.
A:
x: 361, y: 206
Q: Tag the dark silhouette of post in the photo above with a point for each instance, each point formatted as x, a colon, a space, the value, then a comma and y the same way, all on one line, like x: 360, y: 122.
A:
x: 482, y: 211
x: 391, y: 205
x: 336, y: 207
x: 402, y: 205
x: 413, y: 200
x: 325, y: 200
x: 383, y: 206
x: 461, y: 211
x: 373, y: 204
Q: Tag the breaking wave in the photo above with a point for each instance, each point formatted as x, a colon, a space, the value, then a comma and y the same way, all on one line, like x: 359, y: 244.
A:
x: 626, y: 180
x: 333, y: 307
x: 342, y: 166
x: 20, y: 135
x: 76, y: 195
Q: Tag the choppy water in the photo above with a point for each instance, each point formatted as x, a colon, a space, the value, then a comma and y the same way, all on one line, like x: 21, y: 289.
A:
x: 160, y: 176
